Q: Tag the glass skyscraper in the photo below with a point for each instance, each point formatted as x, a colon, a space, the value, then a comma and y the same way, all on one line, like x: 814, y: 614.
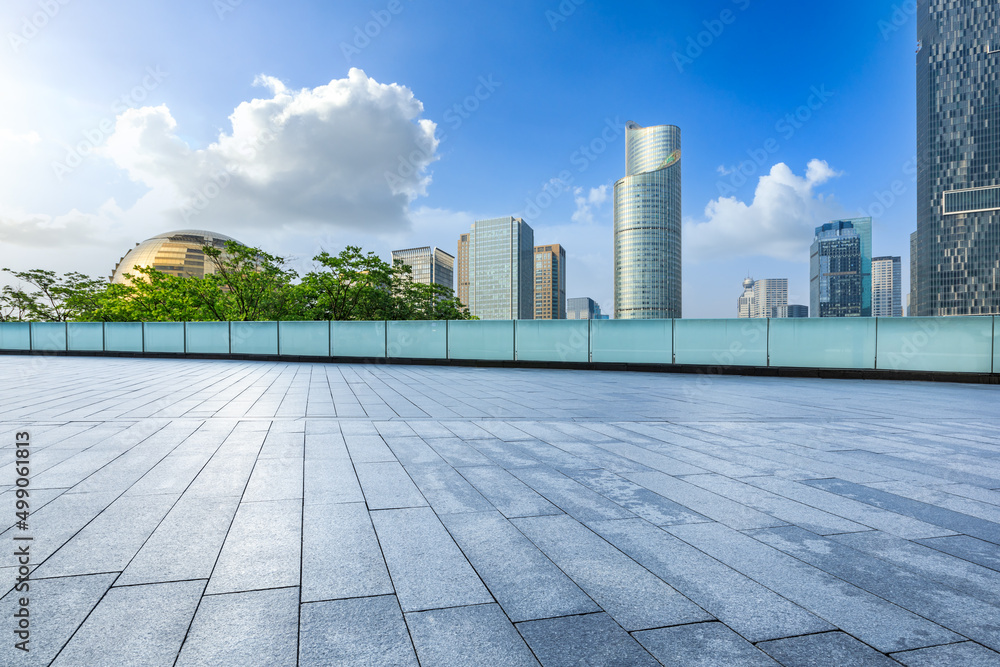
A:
x: 428, y: 265
x: 501, y: 254
x: 648, y: 225
x: 957, y: 268
x: 887, y: 287
x: 550, y: 282
x: 840, y: 263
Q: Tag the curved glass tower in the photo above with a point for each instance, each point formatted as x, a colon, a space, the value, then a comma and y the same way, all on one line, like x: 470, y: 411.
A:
x: 648, y: 225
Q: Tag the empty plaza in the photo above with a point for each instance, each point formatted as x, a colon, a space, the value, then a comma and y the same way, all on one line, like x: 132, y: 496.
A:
x: 194, y: 512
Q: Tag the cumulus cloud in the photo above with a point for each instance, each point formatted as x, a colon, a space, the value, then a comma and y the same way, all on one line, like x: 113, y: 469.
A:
x: 70, y: 230
x: 587, y: 202
x: 351, y: 154
x: 779, y: 223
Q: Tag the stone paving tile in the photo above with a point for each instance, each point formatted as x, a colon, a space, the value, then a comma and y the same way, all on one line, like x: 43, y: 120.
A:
x: 831, y: 649
x: 877, y: 622
x: 592, y: 639
x: 525, y: 583
x: 427, y: 569
x: 468, y: 636
x: 750, y: 609
x: 133, y: 626
x: 57, y: 607
x: 965, y: 654
x: 364, y: 482
x: 238, y: 629
x: 362, y: 631
x: 341, y: 557
x: 702, y: 645
x: 633, y: 596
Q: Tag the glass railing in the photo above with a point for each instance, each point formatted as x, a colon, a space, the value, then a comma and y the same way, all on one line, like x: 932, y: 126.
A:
x: 954, y: 345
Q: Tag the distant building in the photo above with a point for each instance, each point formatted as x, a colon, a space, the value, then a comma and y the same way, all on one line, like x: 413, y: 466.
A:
x: 462, y: 290
x: 177, y: 254
x: 550, y: 282
x: 887, y: 279
x: 428, y: 265
x: 648, y: 225
x: 911, y: 297
x: 958, y: 159
x: 501, y: 269
x: 840, y: 269
x: 764, y: 298
x: 798, y: 311
x: 584, y: 308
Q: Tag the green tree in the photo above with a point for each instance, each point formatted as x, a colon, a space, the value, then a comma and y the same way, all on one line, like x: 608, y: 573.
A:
x: 248, y: 285
x: 49, y: 297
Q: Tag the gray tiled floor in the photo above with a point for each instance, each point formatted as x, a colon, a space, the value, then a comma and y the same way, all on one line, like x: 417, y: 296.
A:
x: 235, y: 513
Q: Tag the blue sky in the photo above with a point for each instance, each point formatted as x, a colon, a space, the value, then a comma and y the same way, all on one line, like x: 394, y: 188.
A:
x: 541, y: 89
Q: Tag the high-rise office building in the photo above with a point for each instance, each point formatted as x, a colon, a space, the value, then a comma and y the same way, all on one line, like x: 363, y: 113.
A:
x: 764, y: 298
x: 887, y: 286
x: 583, y: 308
x: 911, y: 297
x: 462, y: 270
x: 798, y: 311
x: 550, y: 282
x: 428, y: 265
x: 648, y: 225
x: 501, y: 269
x: 838, y: 284
x: 958, y: 158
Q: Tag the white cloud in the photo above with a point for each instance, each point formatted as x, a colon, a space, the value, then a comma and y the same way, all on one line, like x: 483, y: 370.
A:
x: 586, y: 202
x: 779, y: 223
x: 8, y: 136
x: 351, y: 154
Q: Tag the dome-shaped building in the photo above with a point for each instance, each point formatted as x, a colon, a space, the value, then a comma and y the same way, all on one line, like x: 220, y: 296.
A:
x: 174, y: 253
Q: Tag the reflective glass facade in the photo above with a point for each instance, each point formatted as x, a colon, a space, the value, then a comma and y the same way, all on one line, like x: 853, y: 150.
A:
x: 648, y: 225
x: 462, y: 289
x: 837, y: 285
x: 887, y: 286
x: 583, y: 308
x: 957, y: 268
x: 174, y: 253
x: 428, y: 265
x: 501, y: 270
x: 550, y: 282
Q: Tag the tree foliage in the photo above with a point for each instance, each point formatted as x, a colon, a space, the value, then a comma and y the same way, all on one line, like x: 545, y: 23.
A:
x: 248, y: 284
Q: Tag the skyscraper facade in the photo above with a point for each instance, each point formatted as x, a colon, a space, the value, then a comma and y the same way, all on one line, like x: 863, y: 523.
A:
x: 958, y: 151
x: 462, y: 270
x: 838, y: 286
x: 648, y: 225
x: 764, y: 298
x: 550, y: 282
x: 583, y: 308
x: 501, y: 269
x: 887, y: 287
x: 428, y: 265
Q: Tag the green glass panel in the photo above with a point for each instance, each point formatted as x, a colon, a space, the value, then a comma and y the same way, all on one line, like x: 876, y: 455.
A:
x: 823, y: 342
x: 304, y: 339
x: 955, y: 344
x: 258, y: 338
x: 417, y: 340
x: 48, y: 336
x: 632, y: 341
x: 164, y: 337
x: 85, y: 336
x: 553, y: 340
x: 15, y: 336
x: 123, y: 337
x: 720, y: 342
x: 358, y: 340
x: 484, y: 341
x: 207, y: 337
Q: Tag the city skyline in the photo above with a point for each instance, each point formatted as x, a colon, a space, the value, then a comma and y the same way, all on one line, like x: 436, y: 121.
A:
x: 102, y: 151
